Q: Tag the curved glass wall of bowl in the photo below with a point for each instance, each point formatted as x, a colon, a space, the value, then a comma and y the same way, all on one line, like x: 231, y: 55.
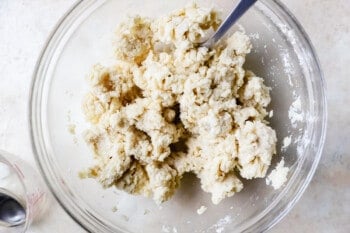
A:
x: 282, y: 54
x: 23, y: 195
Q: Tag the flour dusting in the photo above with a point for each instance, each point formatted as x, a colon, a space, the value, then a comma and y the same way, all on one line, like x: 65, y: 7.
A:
x: 295, y: 113
x: 254, y: 36
x: 220, y: 225
x: 286, y: 143
x: 168, y: 229
x: 288, y: 67
x: 201, y: 210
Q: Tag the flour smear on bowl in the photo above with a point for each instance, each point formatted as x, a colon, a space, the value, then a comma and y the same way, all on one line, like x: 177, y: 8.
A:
x: 167, y: 106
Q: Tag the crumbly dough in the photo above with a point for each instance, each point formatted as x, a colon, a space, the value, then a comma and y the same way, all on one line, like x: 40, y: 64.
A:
x: 278, y: 176
x: 168, y: 106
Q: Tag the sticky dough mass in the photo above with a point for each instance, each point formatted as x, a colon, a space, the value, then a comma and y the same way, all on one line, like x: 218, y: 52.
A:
x: 167, y: 106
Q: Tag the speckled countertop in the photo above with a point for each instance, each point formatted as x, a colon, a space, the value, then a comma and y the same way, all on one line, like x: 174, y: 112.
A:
x: 325, y: 206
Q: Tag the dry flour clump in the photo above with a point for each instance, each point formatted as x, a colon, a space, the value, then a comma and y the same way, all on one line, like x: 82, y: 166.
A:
x: 168, y: 106
x: 278, y: 176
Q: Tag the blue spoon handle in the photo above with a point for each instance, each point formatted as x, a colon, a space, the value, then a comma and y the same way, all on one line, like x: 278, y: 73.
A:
x: 236, y: 13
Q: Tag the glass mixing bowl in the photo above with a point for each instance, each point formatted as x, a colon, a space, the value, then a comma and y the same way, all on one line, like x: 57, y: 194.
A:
x: 282, y: 54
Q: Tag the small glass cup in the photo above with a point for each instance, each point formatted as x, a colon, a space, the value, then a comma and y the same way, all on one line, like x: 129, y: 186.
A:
x: 23, y: 194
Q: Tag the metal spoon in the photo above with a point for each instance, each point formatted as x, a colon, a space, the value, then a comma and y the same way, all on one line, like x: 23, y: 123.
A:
x: 236, y: 13
x: 12, y: 212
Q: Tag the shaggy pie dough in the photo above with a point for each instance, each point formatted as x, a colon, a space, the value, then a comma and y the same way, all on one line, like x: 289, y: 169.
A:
x: 168, y: 106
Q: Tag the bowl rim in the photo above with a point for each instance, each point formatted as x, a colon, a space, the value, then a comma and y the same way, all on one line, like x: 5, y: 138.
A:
x: 32, y: 108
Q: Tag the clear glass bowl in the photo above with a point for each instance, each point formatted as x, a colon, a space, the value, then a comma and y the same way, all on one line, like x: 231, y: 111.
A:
x: 282, y: 54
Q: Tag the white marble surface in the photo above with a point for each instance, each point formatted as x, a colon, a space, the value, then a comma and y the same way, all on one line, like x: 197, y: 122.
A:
x: 325, y: 206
